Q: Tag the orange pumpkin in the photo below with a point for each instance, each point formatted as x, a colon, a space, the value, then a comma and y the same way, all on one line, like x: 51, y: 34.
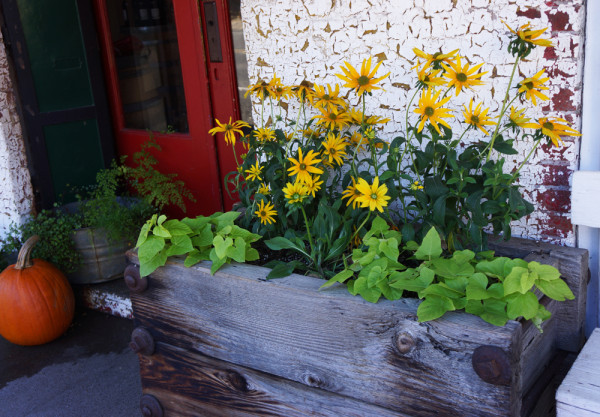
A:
x: 36, y: 300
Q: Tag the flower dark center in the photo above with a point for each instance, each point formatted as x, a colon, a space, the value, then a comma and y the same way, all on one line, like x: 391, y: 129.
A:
x: 529, y: 85
x: 302, y: 167
x: 436, y: 55
x: 296, y: 196
x: 374, y: 196
x: 461, y: 77
x: 326, y: 97
x: 548, y: 125
x: 263, y: 214
x: 332, y: 116
x: 363, y: 80
x: 429, y: 111
x: 332, y: 151
x: 474, y: 119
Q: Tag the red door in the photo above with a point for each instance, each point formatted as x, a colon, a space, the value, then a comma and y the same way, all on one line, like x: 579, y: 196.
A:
x: 170, y: 70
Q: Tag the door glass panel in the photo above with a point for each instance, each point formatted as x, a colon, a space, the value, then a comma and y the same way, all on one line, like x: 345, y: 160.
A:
x: 148, y: 67
x: 241, y: 63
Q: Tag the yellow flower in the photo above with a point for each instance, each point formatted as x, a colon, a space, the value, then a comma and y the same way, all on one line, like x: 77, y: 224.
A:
x: 477, y: 118
x: 313, y: 185
x: 304, y: 91
x: 375, y: 120
x: 261, y: 89
x: 432, y: 111
x: 416, y: 186
x: 310, y: 133
x: 530, y: 36
x: 437, y: 58
x: 303, y: 166
x: 532, y: 87
x: 332, y: 118
x: 327, y: 98
x: 280, y: 91
x: 296, y: 192
x: 230, y: 129
x: 517, y: 117
x: 266, y: 212
x: 429, y: 77
x: 352, y: 194
x: 373, y: 196
x: 334, y: 149
x: 462, y: 76
x: 553, y: 128
x: 254, y: 172
x: 264, y: 189
x: 264, y: 134
x: 363, y: 82
x: 357, y: 140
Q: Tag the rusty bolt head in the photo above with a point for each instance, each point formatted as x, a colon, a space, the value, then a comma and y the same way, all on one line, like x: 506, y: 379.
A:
x: 133, y: 280
x: 142, y: 341
x: 492, y: 365
x: 150, y: 406
x: 404, y: 342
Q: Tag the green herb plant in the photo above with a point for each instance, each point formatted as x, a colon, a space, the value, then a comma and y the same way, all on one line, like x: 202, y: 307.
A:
x: 215, y: 238
x: 497, y: 289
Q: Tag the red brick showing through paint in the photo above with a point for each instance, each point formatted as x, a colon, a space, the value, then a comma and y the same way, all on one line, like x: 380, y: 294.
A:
x: 555, y: 175
x: 559, y: 20
x: 558, y: 200
x: 530, y: 12
x: 556, y: 227
x: 562, y: 102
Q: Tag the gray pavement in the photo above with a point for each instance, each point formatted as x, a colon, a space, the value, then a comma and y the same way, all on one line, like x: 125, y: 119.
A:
x: 90, y: 371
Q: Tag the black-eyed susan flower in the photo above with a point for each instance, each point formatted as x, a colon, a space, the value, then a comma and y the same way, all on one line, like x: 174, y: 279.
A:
x: 296, y: 192
x: 431, y: 110
x: 304, y: 91
x: 553, y: 128
x: 264, y: 134
x: 429, y: 77
x: 436, y: 59
x: 532, y: 87
x: 266, y: 212
x: 327, y: 97
x: 477, y: 118
x: 517, y: 118
x: 416, y: 186
x: 303, y: 166
x: 358, y: 140
x: 280, y: 91
x: 363, y: 82
x: 526, y: 34
x: 313, y: 185
x: 351, y: 193
x: 229, y: 129
x: 373, y: 196
x: 334, y: 149
x: 254, y: 172
x: 332, y: 118
x: 460, y: 76
x: 261, y: 89
x: 264, y: 189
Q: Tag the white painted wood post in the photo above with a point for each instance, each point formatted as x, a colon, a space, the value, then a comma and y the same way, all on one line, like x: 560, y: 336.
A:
x: 586, y: 197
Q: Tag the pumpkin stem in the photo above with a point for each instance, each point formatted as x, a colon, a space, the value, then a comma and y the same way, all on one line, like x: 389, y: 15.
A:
x: 24, y: 257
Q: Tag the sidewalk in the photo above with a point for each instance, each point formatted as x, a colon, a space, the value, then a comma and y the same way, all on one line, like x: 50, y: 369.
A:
x: 89, y: 371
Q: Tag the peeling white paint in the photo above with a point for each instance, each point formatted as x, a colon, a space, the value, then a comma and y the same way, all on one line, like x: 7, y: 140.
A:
x: 16, y: 194
x: 312, y: 39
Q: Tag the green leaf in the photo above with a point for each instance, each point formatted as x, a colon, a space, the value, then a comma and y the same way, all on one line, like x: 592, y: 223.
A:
x: 221, y: 245
x: 494, y: 312
x: 251, y: 254
x: 205, y: 236
x: 519, y: 280
x: 150, y: 248
x: 150, y: 265
x: 225, y: 219
x: 160, y: 231
x: 197, y: 223
x: 389, y: 292
x: 449, y: 268
x: 441, y: 289
x: 411, y: 279
x: 177, y: 228
x: 279, y: 243
x: 545, y: 272
x: 375, y: 276
x: 556, y: 289
x: 196, y: 256
x: 283, y: 269
x: 143, y: 234
x: 389, y: 247
x: 494, y: 269
x: 362, y: 288
x: 180, y: 245
x: 338, y: 247
x: 431, y: 247
x: 217, y: 262
x: 377, y: 227
x: 339, y: 277
x: 477, y: 287
x: 237, y: 251
x: 496, y: 291
x: 434, y: 307
x: 522, y: 305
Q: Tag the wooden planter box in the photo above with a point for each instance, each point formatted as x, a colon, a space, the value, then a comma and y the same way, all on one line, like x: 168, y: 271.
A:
x: 235, y: 344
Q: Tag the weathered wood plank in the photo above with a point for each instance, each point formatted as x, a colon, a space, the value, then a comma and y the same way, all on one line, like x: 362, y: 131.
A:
x: 573, y: 266
x: 378, y: 353
x: 191, y: 384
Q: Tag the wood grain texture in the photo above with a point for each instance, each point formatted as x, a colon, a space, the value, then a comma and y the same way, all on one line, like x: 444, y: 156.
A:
x: 580, y: 390
x: 331, y: 340
x: 573, y: 264
x: 191, y: 384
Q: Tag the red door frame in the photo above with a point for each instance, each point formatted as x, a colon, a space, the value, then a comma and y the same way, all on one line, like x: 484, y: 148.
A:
x: 210, y: 92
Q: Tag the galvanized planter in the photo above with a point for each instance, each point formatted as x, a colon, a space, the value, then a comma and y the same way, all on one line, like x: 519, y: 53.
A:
x: 102, y: 259
x: 235, y: 344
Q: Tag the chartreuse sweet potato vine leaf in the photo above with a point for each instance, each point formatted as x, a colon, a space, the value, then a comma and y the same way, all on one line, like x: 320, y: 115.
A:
x: 215, y: 238
x: 495, y: 289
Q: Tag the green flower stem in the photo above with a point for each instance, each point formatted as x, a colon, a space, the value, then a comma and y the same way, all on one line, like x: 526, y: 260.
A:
x: 503, y: 110
x: 535, y: 146
x: 310, y: 241
x: 361, y: 226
